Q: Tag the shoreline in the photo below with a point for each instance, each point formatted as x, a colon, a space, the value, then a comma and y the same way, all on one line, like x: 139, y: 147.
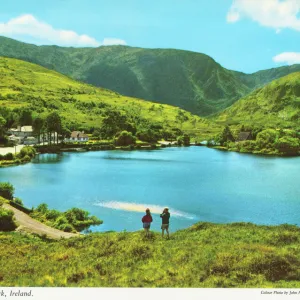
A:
x: 55, y: 149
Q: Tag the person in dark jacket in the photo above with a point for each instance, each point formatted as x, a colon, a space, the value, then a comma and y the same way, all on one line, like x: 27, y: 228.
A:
x: 147, y: 219
x: 165, y: 216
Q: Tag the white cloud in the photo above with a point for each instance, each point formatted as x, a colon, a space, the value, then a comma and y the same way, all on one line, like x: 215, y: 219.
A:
x: 43, y: 33
x: 289, y: 58
x: 277, y: 14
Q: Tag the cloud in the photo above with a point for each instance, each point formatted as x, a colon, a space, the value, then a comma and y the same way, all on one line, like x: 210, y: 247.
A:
x: 289, y: 58
x: 277, y: 14
x: 43, y: 33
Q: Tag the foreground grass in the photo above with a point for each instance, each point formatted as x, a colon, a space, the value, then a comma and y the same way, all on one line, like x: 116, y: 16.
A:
x: 204, y: 255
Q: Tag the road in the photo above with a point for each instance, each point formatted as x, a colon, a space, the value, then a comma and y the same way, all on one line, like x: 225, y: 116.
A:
x: 30, y: 225
x: 12, y: 150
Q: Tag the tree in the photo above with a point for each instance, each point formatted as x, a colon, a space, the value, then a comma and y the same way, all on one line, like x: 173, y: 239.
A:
x: 125, y: 138
x: 266, y: 138
x: 53, y: 124
x: 183, y: 140
x: 288, y: 145
x: 148, y: 135
x: 6, y: 190
x: 25, y: 117
x: 226, y: 136
x: 37, y: 125
x: 115, y: 122
x: 65, y: 131
x: 2, y: 127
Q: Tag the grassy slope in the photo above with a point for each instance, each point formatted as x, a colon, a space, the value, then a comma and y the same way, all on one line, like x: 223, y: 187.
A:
x: 277, y: 104
x: 25, y: 84
x: 205, y: 255
x: 263, y: 77
x: 190, y: 80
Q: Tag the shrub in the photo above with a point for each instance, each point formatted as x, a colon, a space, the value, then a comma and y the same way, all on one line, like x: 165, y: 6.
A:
x: 6, y: 220
x: 266, y: 138
x: 66, y: 228
x: 18, y: 201
x: 6, y: 190
x: 183, y: 140
x: 8, y: 156
x: 27, y: 151
x: 26, y: 158
x: 288, y: 144
x: 125, y: 138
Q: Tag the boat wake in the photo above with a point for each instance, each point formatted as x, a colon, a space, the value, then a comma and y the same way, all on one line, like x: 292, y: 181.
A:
x: 140, y: 207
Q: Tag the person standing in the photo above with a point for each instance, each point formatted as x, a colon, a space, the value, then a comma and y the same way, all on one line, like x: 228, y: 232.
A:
x: 147, y: 219
x: 165, y: 216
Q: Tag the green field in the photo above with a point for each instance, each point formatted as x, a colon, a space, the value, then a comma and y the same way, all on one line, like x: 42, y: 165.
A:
x: 84, y: 106
x: 204, y: 255
x: 275, y: 105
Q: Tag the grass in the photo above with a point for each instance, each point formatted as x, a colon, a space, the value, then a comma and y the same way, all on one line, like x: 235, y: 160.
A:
x: 276, y: 105
x: 80, y: 105
x: 190, y: 80
x: 204, y: 255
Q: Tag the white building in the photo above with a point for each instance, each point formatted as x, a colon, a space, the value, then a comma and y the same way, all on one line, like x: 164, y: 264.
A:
x: 78, y: 136
x: 22, y: 132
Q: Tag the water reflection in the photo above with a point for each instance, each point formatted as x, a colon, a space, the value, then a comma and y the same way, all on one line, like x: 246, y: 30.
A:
x: 48, y: 158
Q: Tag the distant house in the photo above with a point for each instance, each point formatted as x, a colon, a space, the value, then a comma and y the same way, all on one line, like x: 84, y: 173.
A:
x: 78, y: 136
x: 16, y: 139
x: 31, y: 140
x: 244, y: 136
x: 22, y: 132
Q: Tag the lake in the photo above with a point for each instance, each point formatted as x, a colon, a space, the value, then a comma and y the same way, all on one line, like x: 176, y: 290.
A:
x: 196, y: 183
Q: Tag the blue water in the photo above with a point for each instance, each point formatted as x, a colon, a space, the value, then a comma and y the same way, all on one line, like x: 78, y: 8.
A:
x: 196, y: 183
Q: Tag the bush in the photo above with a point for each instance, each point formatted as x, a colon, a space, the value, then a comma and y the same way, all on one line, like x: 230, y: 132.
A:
x: 72, y: 220
x: 125, y: 138
x: 183, y: 140
x: 6, y: 220
x: 266, y: 138
x: 6, y: 190
x: 66, y: 228
x: 27, y: 151
x: 18, y: 201
x: 26, y: 158
x: 8, y: 156
x: 288, y: 144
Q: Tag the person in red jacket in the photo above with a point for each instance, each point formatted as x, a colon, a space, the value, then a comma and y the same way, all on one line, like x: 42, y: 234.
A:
x: 147, y: 219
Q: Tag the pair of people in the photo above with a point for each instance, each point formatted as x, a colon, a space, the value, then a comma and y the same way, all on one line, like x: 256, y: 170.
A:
x: 147, y: 220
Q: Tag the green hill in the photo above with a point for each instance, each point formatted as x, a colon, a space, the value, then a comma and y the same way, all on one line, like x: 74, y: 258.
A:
x: 204, y: 255
x: 192, y: 81
x: 277, y: 104
x: 84, y: 106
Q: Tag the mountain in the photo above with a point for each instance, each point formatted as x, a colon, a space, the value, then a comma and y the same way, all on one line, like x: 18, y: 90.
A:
x: 261, y: 78
x: 276, y: 104
x: 27, y: 85
x: 185, y: 79
x: 190, y: 80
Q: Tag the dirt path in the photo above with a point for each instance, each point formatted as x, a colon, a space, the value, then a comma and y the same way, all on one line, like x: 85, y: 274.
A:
x: 30, y: 225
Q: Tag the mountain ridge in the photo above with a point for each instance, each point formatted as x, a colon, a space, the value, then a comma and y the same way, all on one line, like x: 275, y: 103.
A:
x: 187, y: 79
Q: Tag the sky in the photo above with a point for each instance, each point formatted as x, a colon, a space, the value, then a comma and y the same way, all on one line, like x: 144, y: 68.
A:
x: 241, y: 35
